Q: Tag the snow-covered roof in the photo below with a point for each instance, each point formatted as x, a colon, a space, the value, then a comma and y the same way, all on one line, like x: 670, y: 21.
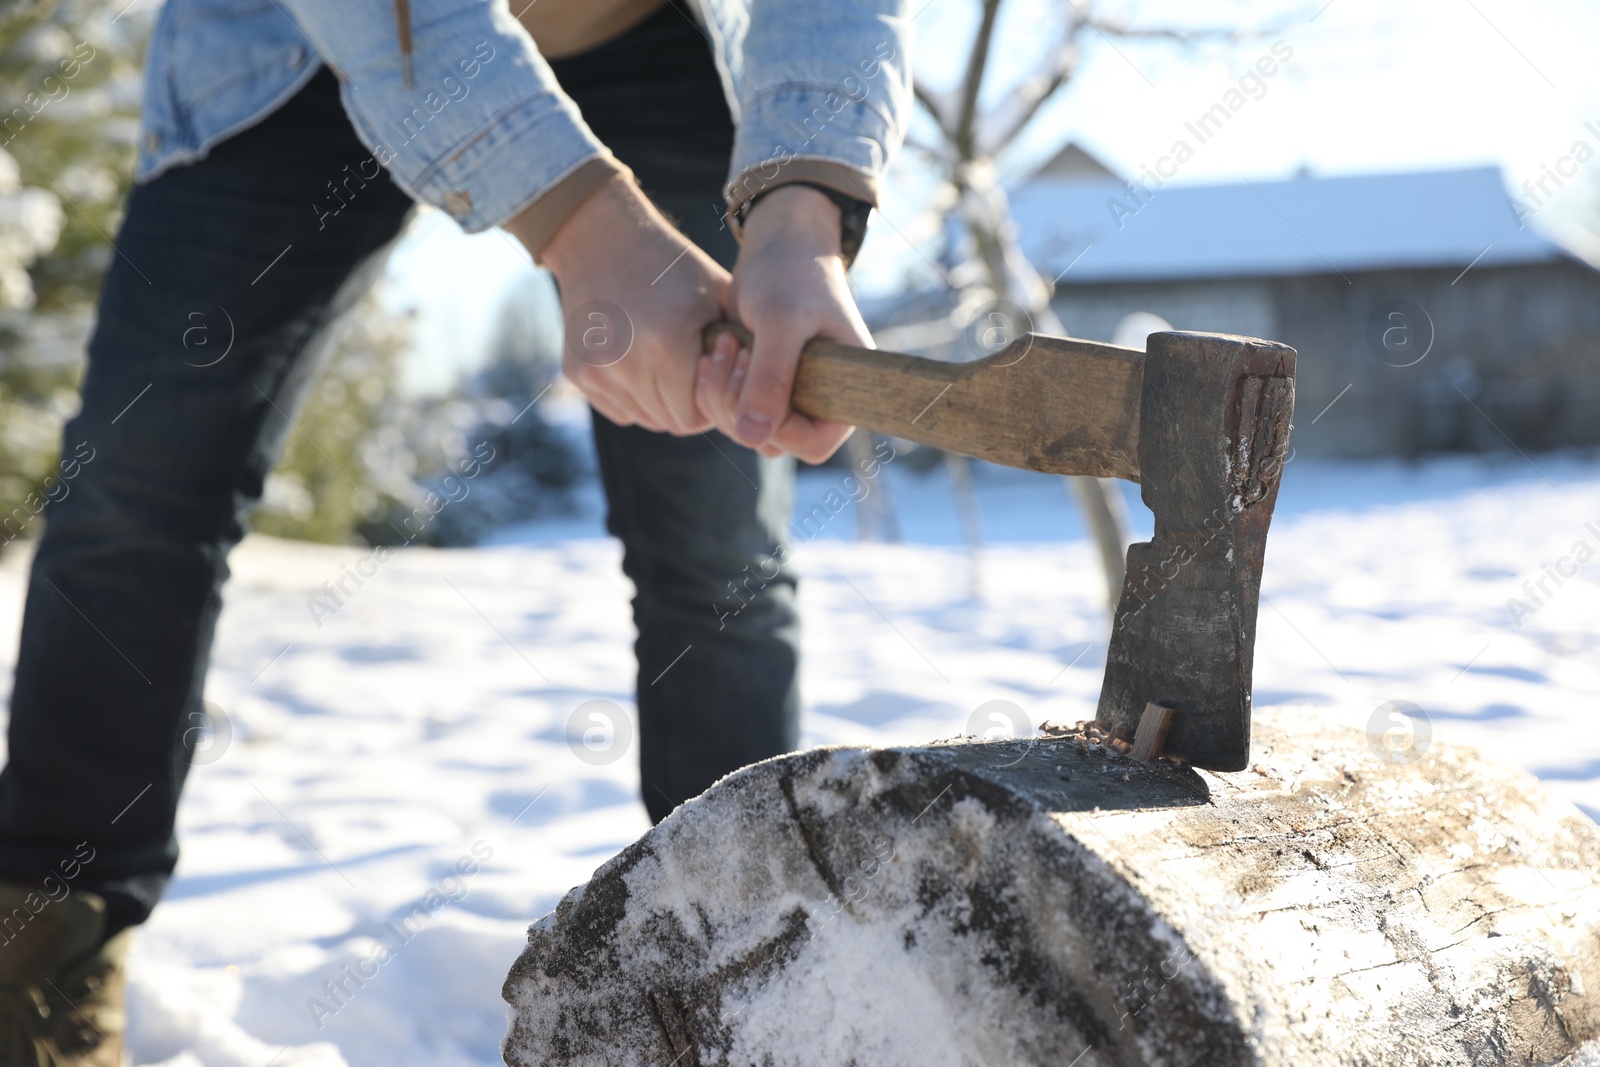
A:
x: 1305, y: 225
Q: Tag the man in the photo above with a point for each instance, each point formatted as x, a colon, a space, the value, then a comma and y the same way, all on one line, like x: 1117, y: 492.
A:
x: 282, y: 147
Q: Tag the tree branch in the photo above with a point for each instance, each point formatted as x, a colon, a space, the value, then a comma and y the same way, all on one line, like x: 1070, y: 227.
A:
x: 935, y: 153
x: 934, y: 107
x: 1014, y: 113
x: 976, y: 64
x: 1113, y: 28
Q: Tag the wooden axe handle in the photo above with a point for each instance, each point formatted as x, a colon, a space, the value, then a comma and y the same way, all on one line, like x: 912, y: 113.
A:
x: 1073, y: 409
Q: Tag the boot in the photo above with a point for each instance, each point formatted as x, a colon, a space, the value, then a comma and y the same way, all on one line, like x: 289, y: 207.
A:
x: 61, y: 981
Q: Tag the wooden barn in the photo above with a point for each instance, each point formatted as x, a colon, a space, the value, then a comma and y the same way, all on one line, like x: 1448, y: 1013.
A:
x: 1427, y: 317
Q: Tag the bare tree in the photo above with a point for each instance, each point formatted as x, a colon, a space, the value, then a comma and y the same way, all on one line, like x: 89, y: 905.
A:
x: 991, y: 276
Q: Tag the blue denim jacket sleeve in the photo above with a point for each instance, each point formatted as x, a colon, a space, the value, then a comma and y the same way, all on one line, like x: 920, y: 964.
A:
x: 485, y: 130
x: 822, y: 90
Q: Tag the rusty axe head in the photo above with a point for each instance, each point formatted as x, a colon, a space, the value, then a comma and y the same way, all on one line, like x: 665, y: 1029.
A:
x: 1214, y: 418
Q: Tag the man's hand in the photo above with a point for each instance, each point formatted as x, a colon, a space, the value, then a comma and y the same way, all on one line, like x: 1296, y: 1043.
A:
x: 636, y: 296
x: 788, y: 287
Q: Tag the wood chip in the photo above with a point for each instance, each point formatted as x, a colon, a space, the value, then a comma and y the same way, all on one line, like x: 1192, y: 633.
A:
x: 1152, y: 732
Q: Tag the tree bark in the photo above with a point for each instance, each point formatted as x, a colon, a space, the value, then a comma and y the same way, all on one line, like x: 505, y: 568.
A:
x: 1044, y: 901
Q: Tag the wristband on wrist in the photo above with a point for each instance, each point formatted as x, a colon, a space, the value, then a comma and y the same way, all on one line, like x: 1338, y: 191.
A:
x: 853, y: 215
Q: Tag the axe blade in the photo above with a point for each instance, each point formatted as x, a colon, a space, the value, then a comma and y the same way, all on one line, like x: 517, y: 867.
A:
x: 1214, y: 419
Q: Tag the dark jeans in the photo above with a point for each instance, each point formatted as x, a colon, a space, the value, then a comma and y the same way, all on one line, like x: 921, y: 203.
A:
x: 126, y: 585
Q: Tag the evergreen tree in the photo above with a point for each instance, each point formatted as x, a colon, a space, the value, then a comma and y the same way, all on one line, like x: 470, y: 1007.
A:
x: 69, y: 90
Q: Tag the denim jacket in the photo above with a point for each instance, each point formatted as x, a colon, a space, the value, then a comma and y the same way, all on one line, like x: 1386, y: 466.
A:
x: 820, y: 90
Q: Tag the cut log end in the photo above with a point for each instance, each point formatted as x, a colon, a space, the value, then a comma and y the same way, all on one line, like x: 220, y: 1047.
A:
x: 1053, y: 901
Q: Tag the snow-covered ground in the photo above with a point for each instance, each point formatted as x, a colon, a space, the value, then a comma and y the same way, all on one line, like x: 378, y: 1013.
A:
x: 413, y: 751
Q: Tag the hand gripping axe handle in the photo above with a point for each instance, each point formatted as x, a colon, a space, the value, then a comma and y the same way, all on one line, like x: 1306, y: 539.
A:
x: 1199, y: 420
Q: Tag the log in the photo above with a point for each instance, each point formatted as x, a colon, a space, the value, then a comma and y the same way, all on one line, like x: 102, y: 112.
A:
x: 1045, y: 900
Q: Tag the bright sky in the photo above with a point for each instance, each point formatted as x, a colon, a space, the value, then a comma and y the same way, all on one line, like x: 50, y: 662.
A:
x: 1370, y: 86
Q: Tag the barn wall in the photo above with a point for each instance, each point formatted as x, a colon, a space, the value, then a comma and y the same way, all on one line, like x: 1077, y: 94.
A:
x: 1508, y: 355
x: 1243, y: 306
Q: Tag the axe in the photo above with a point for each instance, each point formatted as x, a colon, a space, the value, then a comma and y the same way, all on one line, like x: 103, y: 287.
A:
x: 1199, y: 420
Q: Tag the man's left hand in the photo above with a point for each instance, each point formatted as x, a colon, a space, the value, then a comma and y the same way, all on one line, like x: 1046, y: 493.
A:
x: 788, y: 287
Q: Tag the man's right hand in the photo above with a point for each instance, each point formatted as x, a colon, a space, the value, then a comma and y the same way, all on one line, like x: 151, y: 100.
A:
x: 636, y: 295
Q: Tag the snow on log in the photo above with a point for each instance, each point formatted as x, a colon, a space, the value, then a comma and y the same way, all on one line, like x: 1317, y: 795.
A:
x: 1045, y: 901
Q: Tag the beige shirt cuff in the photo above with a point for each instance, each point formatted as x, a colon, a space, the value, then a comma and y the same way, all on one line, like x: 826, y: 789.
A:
x: 856, y: 184
x: 539, y: 221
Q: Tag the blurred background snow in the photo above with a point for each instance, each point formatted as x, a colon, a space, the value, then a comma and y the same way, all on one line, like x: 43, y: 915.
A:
x: 433, y: 717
